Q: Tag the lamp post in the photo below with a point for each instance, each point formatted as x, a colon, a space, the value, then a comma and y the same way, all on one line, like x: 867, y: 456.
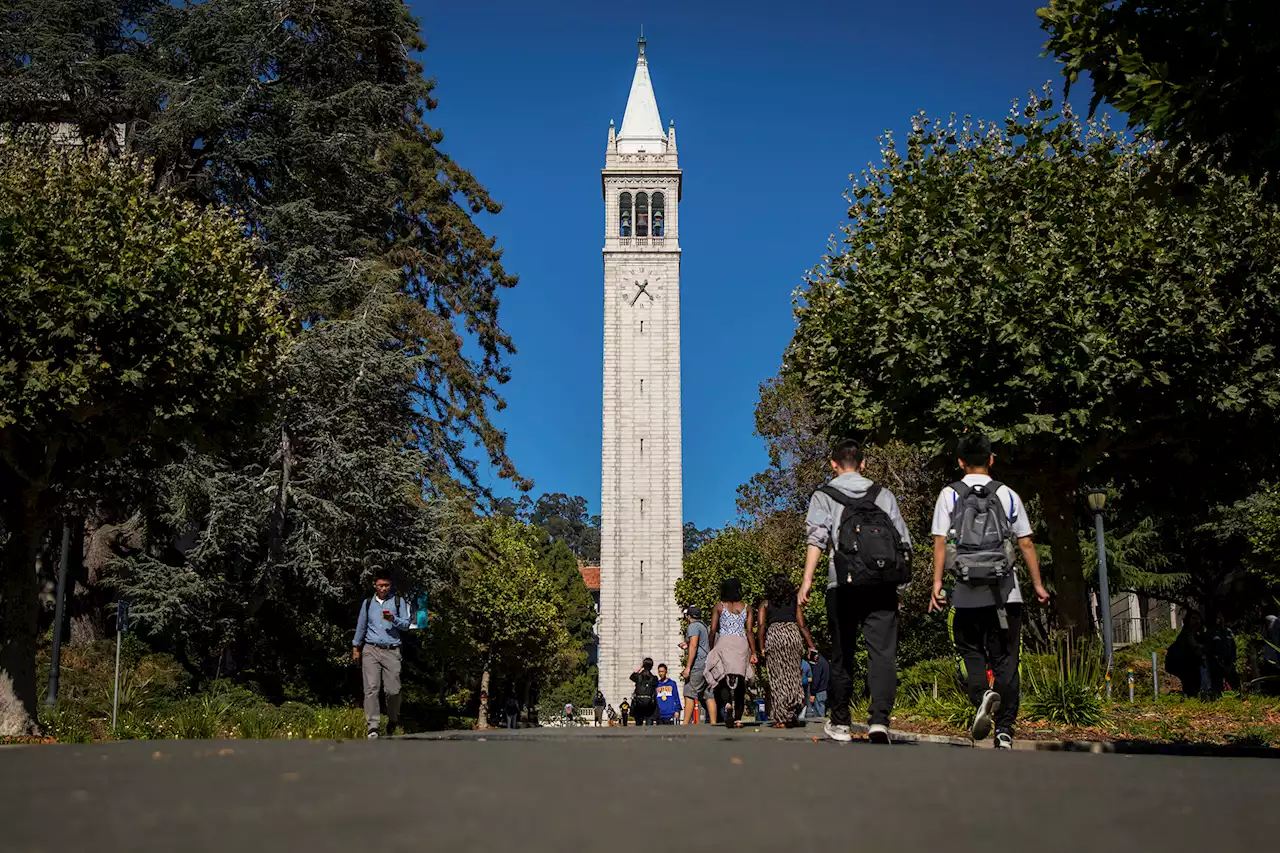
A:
x: 1098, y: 500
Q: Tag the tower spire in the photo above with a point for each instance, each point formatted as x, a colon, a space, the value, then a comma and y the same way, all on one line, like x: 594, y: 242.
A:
x: 641, y: 124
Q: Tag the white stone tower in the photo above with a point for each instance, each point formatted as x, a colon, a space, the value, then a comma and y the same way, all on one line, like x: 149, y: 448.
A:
x: 641, y: 517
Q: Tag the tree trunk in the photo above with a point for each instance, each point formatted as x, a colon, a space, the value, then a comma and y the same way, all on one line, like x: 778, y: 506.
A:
x: 19, y: 625
x: 482, y: 716
x: 1058, y: 499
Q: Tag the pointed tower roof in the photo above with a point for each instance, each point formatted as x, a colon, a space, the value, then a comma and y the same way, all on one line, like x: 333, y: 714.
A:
x: 641, y: 124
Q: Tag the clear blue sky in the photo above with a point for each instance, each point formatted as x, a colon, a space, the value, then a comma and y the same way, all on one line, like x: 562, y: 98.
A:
x: 775, y: 105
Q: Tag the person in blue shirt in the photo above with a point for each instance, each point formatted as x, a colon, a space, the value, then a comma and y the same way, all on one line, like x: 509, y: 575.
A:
x: 668, y: 698
x: 376, y: 647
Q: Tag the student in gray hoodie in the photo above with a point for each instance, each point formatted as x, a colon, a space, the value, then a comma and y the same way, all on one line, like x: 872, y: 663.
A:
x: 870, y: 610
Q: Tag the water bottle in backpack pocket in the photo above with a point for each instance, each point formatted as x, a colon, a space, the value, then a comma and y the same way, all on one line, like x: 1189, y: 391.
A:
x: 868, y: 549
x: 980, y: 541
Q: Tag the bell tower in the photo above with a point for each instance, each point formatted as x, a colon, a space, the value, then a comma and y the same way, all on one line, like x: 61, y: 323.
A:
x: 641, y: 517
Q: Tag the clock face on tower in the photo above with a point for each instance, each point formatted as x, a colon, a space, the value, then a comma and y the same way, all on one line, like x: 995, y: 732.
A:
x: 639, y: 287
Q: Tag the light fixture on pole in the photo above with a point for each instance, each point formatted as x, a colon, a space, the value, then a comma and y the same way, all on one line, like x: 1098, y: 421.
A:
x: 1097, y: 501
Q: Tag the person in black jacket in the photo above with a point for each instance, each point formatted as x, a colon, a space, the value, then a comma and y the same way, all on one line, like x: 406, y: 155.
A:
x: 644, y: 705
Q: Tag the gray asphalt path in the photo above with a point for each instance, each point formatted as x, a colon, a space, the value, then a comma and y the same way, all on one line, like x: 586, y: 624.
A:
x: 606, y: 790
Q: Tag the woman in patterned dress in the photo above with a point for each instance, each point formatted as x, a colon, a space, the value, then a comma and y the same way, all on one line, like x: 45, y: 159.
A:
x: 783, y: 637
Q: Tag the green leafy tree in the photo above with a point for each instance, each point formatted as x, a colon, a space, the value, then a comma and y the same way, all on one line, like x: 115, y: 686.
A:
x: 510, y: 604
x: 566, y: 519
x: 1020, y: 278
x: 1196, y: 73
x: 131, y: 323
x: 561, y: 566
x: 311, y: 120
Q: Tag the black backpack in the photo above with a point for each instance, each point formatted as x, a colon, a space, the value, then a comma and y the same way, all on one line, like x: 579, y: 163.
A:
x: 868, y: 549
x: 980, y: 539
x: 646, y: 689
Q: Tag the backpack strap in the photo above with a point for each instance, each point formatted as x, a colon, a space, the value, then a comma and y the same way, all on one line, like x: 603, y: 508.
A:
x: 995, y: 486
x: 872, y: 493
x: 837, y: 495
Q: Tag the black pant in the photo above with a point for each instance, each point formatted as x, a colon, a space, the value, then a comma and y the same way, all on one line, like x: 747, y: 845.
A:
x: 982, y: 643
x: 871, y: 611
x: 666, y: 721
x: 731, y: 695
x: 644, y: 714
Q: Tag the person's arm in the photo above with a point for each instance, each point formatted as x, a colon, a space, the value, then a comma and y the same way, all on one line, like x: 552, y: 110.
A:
x: 817, y: 524
x: 936, y: 600
x: 635, y: 676
x: 401, y: 622
x: 751, y: 635
x: 812, y: 555
x: 1028, y: 549
x: 715, y: 627
x: 357, y: 642
x: 759, y: 634
x: 942, y: 508
x: 693, y: 655
x: 804, y: 629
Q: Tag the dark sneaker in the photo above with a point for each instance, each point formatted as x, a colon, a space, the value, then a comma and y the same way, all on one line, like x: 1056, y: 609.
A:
x: 986, y: 711
x: 878, y: 733
x: 392, y: 728
x: 1004, y: 740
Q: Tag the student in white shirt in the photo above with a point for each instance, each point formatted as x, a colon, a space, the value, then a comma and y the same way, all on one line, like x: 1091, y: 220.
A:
x: 980, y: 637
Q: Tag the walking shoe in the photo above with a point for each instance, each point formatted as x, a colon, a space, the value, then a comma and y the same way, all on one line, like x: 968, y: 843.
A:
x: 1004, y: 740
x: 986, y: 710
x: 372, y: 735
x: 878, y: 733
x: 392, y: 728
x: 837, y: 733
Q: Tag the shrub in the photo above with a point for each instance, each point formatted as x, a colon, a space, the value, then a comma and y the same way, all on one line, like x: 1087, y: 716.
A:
x: 261, y: 723
x: 1066, y: 685
x: 338, y: 724
x: 66, y: 724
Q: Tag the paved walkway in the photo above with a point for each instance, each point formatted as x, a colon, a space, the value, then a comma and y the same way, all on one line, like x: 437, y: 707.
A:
x: 621, y: 790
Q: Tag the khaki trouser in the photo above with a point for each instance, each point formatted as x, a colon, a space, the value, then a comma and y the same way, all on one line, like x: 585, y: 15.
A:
x: 381, y: 670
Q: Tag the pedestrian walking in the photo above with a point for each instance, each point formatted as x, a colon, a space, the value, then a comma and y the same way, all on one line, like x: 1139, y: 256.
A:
x: 730, y: 661
x: 625, y: 710
x: 376, y: 647
x: 644, y: 703
x: 512, y: 711
x: 784, y: 638
x: 858, y: 523
x: 668, y: 693
x: 570, y: 714
x: 819, y: 679
x: 597, y: 705
x: 694, y: 675
x: 977, y: 524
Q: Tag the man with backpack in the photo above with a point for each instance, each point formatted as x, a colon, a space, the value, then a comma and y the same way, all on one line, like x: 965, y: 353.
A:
x: 977, y: 522
x: 858, y: 522
x: 376, y: 647
x: 644, y: 704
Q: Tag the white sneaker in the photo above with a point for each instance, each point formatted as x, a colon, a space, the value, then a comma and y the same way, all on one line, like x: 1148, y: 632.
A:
x: 1004, y: 740
x: 837, y: 733
x: 986, y: 710
x: 879, y: 733
x: 372, y: 735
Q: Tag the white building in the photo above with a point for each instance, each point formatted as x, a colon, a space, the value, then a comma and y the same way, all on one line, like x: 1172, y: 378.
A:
x: 641, y: 507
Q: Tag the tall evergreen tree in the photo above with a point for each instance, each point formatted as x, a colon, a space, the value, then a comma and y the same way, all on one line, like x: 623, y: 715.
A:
x: 310, y: 118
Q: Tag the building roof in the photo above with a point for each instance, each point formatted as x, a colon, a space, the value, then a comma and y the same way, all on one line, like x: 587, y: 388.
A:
x: 641, y: 123
x: 590, y: 576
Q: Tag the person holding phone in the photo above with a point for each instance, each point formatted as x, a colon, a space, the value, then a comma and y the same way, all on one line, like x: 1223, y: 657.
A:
x: 376, y: 647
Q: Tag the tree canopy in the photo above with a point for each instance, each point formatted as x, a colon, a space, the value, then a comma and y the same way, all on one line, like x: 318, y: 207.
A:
x: 132, y: 324
x: 1197, y: 73
x: 1020, y: 278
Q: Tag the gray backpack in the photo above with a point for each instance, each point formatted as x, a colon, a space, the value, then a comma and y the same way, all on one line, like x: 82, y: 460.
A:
x: 980, y: 541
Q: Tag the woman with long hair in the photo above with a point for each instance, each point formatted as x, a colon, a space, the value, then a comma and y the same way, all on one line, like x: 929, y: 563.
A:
x: 731, y: 657
x: 783, y: 637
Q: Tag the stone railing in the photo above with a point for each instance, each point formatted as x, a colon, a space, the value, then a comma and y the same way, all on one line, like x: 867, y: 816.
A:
x: 642, y: 242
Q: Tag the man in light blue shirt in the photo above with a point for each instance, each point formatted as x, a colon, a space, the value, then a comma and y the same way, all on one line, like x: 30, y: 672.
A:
x: 376, y: 647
